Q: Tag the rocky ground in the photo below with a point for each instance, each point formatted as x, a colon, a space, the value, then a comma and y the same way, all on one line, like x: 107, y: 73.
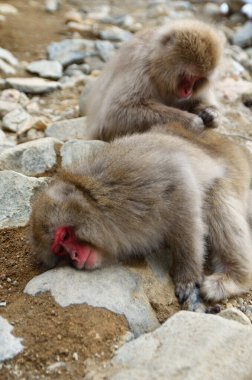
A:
x: 68, y: 324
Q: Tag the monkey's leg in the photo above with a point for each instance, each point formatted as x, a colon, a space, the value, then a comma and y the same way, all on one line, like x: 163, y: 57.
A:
x: 230, y: 240
x: 186, y: 242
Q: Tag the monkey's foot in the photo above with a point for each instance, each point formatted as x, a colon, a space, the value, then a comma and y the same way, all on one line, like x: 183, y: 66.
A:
x: 209, y: 116
x: 190, y: 299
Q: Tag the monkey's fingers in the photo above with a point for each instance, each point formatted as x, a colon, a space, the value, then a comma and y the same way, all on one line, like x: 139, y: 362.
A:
x: 213, y: 309
x: 209, y: 116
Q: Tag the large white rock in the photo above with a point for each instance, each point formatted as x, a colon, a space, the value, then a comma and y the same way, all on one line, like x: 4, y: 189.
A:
x: 68, y: 129
x: 115, y: 288
x: 16, y: 193
x: 33, y: 85
x: 17, y: 120
x: 46, y: 69
x: 31, y: 158
x: 187, y: 346
x: 10, y: 346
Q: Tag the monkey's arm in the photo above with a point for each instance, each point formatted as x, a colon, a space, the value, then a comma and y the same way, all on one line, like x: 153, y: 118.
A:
x: 206, y: 108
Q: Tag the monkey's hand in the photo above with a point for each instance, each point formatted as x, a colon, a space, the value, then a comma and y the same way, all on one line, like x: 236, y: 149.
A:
x: 210, y: 116
x: 192, y: 122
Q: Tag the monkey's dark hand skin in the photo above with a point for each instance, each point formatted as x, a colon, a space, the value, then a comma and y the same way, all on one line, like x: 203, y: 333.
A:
x: 209, y: 116
x: 164, y: 190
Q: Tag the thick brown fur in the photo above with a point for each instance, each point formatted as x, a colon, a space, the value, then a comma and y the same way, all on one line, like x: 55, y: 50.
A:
x: 137, y: 87
x: 159, y: 189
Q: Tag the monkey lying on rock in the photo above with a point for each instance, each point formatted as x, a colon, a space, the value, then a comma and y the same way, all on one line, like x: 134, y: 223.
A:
x: 149, y: 191
x: 161, y: 75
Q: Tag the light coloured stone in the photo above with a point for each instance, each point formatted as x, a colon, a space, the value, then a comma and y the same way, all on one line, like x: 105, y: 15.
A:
x: 75, y: 150
x: 6, y: 107
x: 189, y: 346
x: 46, y: 69
x: 114, y: 33
x: 243, y: 36
x: 10, y: 346
x: 51, y: 6
x: 106, y: 49
x: 32, y: 85
x: 70, y: 51
x: 68, y: 129
x: 16, y: 193
x: 236, y: 315
x: 31, y: 158
x: 114, y: 288
x: 8, y: 56
x: 16, y: 120
x: 6, y: 68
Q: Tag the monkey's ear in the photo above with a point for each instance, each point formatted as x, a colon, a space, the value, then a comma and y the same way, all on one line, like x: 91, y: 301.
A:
x: 168, y: 39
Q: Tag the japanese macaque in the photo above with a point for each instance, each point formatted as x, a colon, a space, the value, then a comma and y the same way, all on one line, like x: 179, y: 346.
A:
x: 162, y: 75
x: 163, y: 189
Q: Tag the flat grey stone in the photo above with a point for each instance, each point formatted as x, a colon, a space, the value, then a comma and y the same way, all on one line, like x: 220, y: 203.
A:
x: 32, y: 85
x: 16, y: 120
x: 8, y: 57
x: 114, y: 288
x: 16, y: 193
x: 68, y: 129
x: 10, y: 346
x: 236, y: 315
x: 74, y: 150
x: 46, y: 69
x: 70, y: 51
x: 243, y: 37
x: 6, y: 68
x: 105, y: 49
x: 31, y: 158
x: 189, y: 346
x: 115, y: 33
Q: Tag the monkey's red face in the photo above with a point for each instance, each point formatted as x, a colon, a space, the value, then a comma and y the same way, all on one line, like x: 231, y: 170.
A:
x: 82, y: 255
x: 186, y: 86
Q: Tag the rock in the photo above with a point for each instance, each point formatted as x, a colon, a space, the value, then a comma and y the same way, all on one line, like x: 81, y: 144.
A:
x: 51, y: 6
x: 126, y: 21
x: 243, y: 37
x: 113, y: 288
x: 72, y: 69
x: 15, y: 96
x: 84, y: 30
x: 32, y: 85
x: 75, y: 150
x: 232, y: 89
x: 247, y: 10
x: 16, y: 193
x: 68, y: 129
x: 6, y: 68
x: 31, y: 158
x: 2, y: 84
x: 235, y: 315
x: 70, y: 51
x: 8, y: 57
x: 114, y: 33
x: 73, y: 16
x: 105, y: 49
x: 16, y: 120
x: 84, y: 96
x: 6, y: 107
x: 8, y: 9
x: 10, y: 346
x: 76, y: 79
x: 46, y: 69
x: 190, y: 346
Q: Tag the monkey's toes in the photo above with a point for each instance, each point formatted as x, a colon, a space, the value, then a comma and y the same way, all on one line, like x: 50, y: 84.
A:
x: 209, y: 116
x: 184, y: 290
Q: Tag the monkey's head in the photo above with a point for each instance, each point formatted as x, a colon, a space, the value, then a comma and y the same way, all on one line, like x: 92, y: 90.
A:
x: 185, y: 56
x: 61, y: 228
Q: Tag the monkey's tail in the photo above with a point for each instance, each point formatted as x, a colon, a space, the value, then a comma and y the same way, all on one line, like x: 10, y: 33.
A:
x: 218, y: 286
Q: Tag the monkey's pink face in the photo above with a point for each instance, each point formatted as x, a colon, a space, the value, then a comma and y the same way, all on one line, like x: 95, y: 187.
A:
x: 186, y: 86
x: 82, y: 255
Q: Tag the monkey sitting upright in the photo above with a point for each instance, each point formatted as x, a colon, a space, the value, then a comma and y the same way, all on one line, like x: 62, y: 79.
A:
x: 161, y: 75
x: 148, y: 191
